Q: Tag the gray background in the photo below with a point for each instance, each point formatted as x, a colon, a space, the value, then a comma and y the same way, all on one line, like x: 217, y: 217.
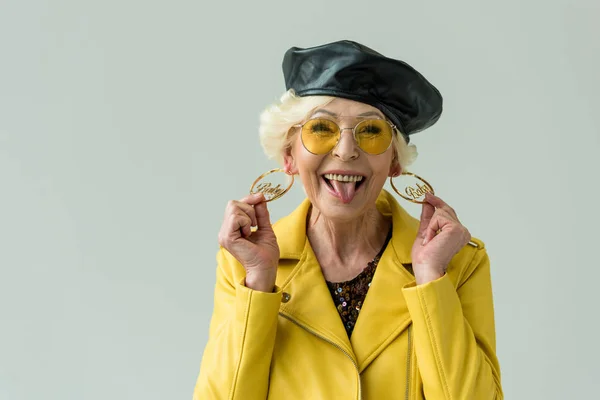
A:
x: 125, y: 126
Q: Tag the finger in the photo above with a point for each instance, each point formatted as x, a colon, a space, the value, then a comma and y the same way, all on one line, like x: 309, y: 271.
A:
x: 246, y: 230
x: 445, y: 213
x: 240, y: 222
x: 262, y: 216
x: 246, y: 208
x: 427, y: 212
x: 440, y: 204
x: 438, y: 222
x: 230, y: 229
x: 253, y: 199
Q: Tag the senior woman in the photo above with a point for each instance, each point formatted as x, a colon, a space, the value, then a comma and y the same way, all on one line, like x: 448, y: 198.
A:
x: 349, y: 297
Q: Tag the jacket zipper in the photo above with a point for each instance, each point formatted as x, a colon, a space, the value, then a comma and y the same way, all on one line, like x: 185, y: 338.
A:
x: 333, y: 344
x: 408, y: 352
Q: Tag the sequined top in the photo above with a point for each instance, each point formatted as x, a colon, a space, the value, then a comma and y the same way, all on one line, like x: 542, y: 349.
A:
x: 349, y: 296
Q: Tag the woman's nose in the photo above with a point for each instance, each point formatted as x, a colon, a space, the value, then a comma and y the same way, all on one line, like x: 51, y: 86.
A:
x: 346, y: 148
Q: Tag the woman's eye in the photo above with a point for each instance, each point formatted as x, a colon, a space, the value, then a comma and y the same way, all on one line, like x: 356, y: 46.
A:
x: 320, y: 128
x: 373, y: 130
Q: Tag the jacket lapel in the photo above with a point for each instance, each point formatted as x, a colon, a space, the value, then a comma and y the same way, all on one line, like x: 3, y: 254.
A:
x: 384, y: 314
x: 310, y: 303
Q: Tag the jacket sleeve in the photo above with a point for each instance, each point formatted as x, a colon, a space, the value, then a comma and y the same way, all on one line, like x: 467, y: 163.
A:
x: 237, y: 357
x: 454, y: 334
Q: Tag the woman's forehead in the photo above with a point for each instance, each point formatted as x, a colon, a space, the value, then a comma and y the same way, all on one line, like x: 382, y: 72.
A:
x: 340, y: 107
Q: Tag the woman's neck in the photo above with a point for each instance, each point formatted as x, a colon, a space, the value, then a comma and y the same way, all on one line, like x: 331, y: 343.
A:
x: 346, y: 243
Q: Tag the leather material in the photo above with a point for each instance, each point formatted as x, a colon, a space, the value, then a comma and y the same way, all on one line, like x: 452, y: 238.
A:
x: 351, y: 70
x: 435, y: 341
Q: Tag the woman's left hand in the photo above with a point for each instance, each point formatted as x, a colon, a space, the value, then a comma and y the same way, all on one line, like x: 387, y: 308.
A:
x: 440, y: 237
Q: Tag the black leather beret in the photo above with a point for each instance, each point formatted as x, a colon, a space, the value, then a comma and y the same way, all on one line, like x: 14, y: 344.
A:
x: 351, y: 70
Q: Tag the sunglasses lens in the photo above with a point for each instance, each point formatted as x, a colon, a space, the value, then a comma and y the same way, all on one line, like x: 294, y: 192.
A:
x: 374, y: 136
x: 319, y: 136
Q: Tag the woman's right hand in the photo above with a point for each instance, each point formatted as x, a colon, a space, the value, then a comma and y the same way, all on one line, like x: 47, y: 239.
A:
x: 257, y: 251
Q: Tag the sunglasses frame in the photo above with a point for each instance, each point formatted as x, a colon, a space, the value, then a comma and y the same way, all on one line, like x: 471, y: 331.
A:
x: 301, y: 126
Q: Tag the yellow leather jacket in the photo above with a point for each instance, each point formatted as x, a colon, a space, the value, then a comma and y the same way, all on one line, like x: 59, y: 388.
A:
x: 434, y: 341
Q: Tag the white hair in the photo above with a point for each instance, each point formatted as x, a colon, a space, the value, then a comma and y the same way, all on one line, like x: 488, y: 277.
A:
x: 277, y: 119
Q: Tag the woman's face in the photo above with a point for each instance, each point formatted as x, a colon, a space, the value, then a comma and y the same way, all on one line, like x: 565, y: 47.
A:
x: 344, y: 183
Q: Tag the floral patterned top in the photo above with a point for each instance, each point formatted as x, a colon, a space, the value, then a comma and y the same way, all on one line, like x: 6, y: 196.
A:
x: 349, y: 296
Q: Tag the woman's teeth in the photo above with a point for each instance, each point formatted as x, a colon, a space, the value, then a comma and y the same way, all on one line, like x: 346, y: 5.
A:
x: 344, y: 178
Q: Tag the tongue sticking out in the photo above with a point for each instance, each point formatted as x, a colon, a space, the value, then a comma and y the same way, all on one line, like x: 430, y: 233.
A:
x: 344, y: 190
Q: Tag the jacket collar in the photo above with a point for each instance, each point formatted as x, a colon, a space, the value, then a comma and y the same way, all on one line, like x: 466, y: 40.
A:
x: 384, y: 314
x: 291, y: 229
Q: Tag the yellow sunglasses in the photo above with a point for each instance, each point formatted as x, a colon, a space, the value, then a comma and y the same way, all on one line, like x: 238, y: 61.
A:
x: 321, y: 135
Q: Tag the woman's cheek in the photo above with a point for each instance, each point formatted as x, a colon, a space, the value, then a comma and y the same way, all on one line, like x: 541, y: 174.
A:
x: 314, y: 185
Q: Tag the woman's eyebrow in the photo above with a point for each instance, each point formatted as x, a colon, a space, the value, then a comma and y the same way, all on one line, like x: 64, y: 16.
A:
x: 369, y: 113
x: 325, y: 112
x: 365, y: 114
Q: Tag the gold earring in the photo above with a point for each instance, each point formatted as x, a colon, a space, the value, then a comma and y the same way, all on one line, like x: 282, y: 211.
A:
x: 413, y: 192
x: 271, y: 189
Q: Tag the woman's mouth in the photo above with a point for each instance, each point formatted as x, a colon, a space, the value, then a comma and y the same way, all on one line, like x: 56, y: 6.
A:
x: 343, y: 187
